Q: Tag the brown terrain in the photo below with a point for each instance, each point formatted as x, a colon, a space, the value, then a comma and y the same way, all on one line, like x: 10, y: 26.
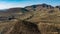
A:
x: 35, y: 19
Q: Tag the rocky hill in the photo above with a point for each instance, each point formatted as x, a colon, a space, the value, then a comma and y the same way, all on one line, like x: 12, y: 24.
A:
x: 34, y: 19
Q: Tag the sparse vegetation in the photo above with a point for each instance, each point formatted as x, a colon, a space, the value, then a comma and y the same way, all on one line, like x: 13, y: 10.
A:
x: 35, y: 19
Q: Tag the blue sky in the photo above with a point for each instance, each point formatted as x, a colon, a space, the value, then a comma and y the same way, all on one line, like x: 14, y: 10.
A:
x: 5, y: 4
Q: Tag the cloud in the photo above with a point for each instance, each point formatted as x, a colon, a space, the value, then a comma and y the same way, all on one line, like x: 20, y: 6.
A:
x: 9, y: 5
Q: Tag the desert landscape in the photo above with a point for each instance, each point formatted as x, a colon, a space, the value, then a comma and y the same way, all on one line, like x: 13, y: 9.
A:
x: 34, y: 19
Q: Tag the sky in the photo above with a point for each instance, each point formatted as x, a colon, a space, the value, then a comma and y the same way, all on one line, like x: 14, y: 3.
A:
x: 5, y: 4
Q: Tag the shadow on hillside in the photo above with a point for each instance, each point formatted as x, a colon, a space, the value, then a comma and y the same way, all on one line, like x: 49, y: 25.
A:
x: 24, y: 27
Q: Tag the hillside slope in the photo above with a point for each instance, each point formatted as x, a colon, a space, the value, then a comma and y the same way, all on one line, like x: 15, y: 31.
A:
x: 35, y: 19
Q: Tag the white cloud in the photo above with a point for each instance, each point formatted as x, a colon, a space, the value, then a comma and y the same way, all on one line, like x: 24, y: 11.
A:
x: 5, y: 5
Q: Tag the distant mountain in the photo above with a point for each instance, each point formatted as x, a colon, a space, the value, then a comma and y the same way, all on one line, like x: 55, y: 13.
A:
x: 17, y: 10
x: 8, y: 13
x: 14, y: 10
x: 39, y: 6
